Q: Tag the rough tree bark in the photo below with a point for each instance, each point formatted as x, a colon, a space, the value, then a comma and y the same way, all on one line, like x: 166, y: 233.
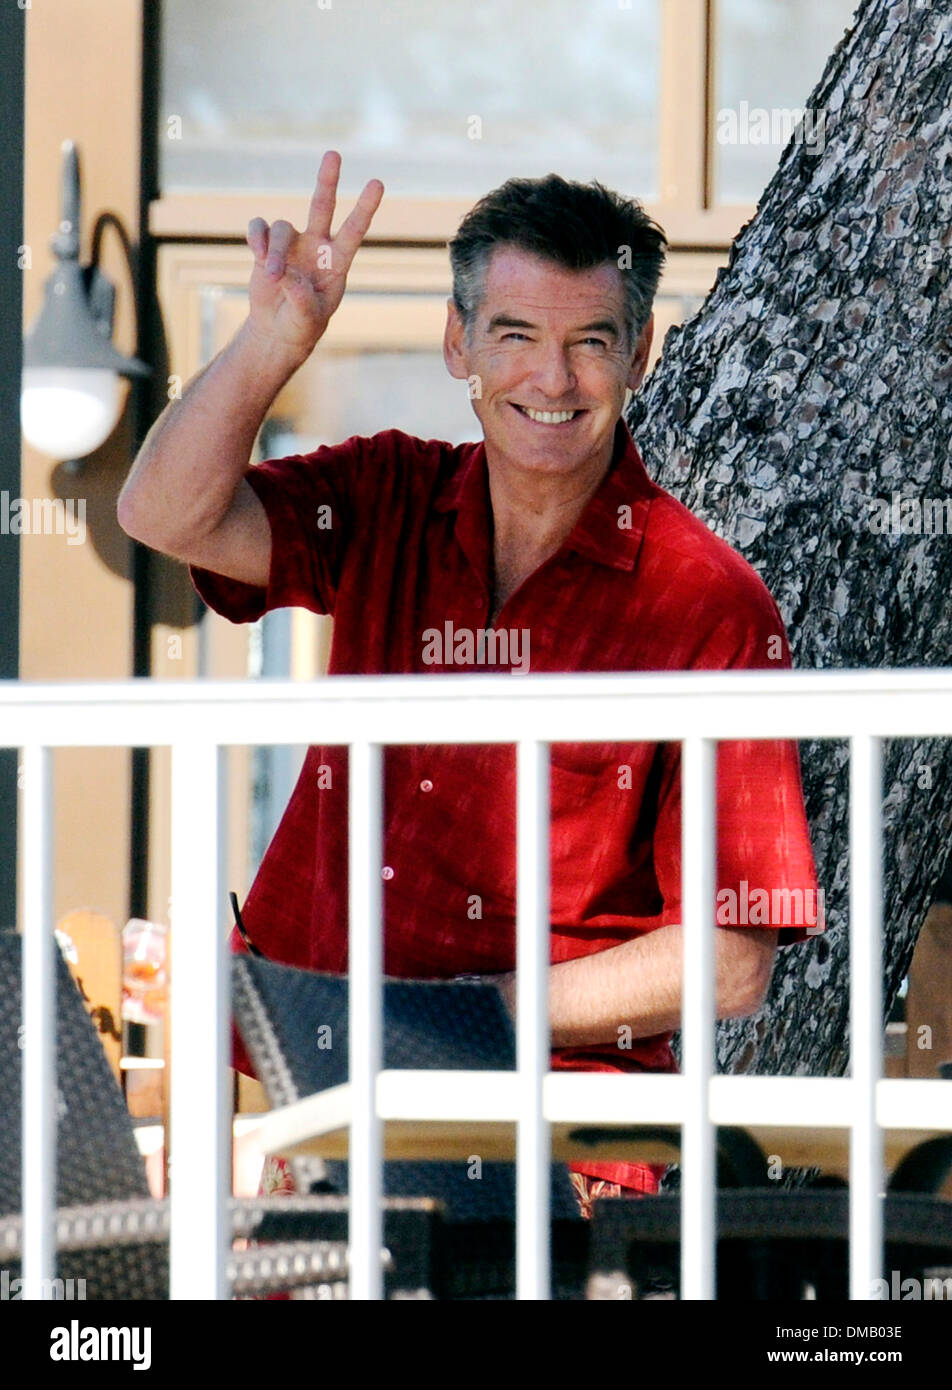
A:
x: 815, y: 378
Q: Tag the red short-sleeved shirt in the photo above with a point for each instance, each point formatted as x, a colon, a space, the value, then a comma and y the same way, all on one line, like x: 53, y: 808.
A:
x: 393, y: 535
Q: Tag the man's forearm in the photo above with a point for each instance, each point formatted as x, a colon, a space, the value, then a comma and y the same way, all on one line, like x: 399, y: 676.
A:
x: 194, y: 457
x: 637, y: 986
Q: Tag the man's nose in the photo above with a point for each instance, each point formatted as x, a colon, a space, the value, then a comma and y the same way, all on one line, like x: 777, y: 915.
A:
x: 553, y: 374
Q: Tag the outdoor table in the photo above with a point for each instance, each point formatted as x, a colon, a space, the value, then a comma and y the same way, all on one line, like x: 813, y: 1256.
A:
x: 317, y: 1126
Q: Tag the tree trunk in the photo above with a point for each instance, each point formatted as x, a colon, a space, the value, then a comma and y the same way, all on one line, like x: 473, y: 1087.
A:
x: 814, y: 379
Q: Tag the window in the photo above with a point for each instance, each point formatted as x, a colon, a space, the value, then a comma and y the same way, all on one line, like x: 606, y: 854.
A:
x: 438, y: 99
x: 770, y: 54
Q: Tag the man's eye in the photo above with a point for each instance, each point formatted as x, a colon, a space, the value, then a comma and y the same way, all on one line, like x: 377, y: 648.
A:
x: 598, y: 342
x: 515, y: 335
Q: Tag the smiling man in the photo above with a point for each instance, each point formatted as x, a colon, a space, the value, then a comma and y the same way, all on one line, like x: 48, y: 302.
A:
x: 549, y: 531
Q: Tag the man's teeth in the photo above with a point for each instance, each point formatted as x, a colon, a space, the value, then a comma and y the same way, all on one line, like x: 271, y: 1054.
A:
x: 550, y: 417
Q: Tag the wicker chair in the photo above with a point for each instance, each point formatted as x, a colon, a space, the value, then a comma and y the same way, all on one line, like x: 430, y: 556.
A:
x: 785, y: 1244
x: 113, y: 1236
x: 444, y: 1025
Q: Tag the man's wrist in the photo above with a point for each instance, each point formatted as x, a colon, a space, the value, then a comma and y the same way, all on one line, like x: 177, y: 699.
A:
x: 272, y: 361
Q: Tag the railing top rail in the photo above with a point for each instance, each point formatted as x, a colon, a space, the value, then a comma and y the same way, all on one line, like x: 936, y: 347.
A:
x: 481, y: 708
x: 491, y: 686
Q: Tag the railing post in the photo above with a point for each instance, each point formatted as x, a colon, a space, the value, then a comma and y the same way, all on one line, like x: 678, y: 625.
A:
x: 866, y: 1014
x: 200, y: 1011
x: 365, y: 1028
x: 533, y: 954
x: 38, y: 1077
x: 698, y: 847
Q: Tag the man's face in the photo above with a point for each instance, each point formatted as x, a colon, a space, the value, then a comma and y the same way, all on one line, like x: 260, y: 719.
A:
x: 551, y: 361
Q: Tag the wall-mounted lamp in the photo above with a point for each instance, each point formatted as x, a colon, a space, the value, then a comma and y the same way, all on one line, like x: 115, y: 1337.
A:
x: 71, y: 395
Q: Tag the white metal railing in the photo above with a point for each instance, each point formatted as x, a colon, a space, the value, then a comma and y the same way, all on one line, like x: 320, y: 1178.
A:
x: 199, y: 719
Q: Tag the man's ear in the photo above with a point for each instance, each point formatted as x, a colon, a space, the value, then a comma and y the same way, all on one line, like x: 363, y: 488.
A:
x: 454, y: 343
x: 639, y: 363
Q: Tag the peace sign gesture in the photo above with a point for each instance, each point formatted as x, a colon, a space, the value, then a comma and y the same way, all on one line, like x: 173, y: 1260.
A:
x: 299, y: 277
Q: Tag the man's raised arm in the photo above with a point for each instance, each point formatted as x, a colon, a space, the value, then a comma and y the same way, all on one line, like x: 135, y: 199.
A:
x: 186, y: 494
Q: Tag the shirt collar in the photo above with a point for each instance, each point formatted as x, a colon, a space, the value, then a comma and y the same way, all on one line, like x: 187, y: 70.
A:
x: 610, y: 529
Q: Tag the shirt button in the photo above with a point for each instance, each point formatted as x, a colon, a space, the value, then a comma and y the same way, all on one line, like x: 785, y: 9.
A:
x: 386, y: 871
x: 426, y: 785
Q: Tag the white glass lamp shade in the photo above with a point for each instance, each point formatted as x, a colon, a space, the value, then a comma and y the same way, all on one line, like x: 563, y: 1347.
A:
x: 67, y: 412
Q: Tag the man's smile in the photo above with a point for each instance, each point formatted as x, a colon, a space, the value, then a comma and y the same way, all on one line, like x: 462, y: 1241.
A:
x: 548, y: 417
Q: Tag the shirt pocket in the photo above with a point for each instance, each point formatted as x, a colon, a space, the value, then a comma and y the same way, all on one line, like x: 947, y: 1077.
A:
x: 585, y: 819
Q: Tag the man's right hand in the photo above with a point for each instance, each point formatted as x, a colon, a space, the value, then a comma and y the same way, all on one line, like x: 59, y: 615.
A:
x: 299, y: 277
x: 187, y: 494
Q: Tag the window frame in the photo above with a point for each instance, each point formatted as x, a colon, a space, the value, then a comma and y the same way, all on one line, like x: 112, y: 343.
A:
x: 684, y: 207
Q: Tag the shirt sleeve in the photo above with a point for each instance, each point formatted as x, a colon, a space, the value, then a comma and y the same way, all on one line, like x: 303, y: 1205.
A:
x: 309, y: 500
x: 766, y: 873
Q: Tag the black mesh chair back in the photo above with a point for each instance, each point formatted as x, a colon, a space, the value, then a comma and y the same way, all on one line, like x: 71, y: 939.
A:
x: 294, y: 1026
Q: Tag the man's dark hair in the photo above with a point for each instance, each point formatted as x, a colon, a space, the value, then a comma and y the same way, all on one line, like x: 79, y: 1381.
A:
x: 575, y: 225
